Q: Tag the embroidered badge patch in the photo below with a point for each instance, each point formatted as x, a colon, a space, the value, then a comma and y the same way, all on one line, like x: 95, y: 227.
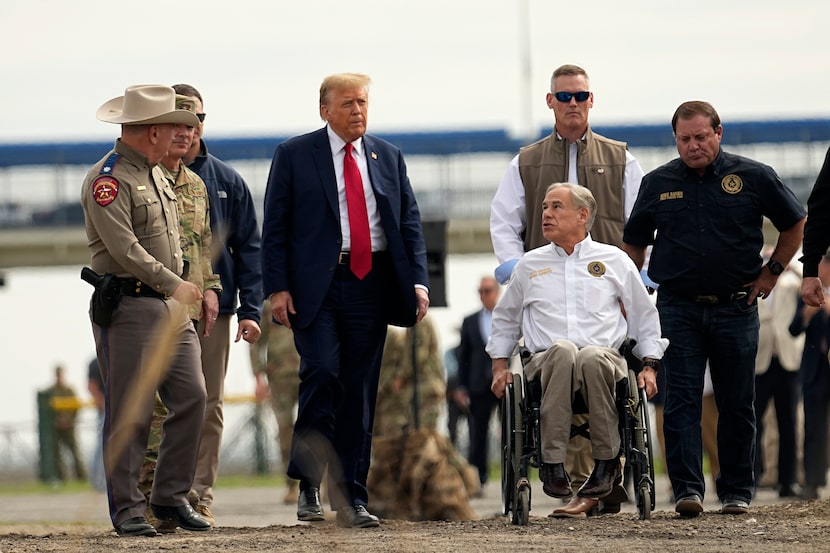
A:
x: 732, y: 184
x: 104, y: 190
x: 596, y: 268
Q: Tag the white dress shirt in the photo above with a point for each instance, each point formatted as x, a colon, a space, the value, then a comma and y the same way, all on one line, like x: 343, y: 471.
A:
x: 508, y: 215
x: 552, y: 295
x: 338, y: 155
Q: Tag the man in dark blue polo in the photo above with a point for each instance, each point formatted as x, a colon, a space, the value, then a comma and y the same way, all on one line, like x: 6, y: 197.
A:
x: 707, y: 208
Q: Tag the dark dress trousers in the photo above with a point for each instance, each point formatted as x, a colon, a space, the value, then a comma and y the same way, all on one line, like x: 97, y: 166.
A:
x: 475, y: 374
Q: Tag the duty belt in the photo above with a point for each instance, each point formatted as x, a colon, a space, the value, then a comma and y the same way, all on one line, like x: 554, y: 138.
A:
x: 137, y: 289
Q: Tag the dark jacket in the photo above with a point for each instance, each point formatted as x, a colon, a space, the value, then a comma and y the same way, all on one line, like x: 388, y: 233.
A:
x: 475, y: 373
x: 301, y: 227
x: 236, y: 238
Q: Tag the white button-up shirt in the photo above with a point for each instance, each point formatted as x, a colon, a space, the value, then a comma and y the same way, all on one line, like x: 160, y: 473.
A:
x: 552, y: 295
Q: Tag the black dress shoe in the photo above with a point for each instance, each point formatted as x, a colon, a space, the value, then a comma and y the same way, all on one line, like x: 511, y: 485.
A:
x: 356, y: 517
x: 604, y: 477
x: 309, y: 508
x: 555, y: 480
x: 184, y: 516
x: 137, y: 526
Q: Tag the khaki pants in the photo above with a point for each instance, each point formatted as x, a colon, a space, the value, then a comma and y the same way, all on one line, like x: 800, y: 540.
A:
x: 563, y: 369
x: 215, y: 352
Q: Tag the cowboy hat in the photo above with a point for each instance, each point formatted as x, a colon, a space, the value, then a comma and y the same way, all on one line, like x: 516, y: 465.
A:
x: 146, y: 105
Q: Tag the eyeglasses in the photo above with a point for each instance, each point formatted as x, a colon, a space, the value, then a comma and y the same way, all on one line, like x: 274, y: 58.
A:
x: 201, y: 117
x: 565, y: 97
x: 486, y: 290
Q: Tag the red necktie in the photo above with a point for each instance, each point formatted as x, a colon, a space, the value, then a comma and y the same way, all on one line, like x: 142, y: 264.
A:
x: 360, y: 259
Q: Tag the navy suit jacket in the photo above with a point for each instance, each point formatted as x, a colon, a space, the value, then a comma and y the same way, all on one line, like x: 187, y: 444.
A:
x: 475, y: 368
x: 301, y: 237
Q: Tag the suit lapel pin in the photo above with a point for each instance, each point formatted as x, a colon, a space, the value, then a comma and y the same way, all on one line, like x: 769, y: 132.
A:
x: 374, y: 155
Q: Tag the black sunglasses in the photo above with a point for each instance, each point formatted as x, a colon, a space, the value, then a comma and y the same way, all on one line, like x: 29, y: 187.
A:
x: 201, y: 117
x: 565, y: 97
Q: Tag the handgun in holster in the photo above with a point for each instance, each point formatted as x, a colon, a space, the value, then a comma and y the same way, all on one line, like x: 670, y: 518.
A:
x: 106, y: 296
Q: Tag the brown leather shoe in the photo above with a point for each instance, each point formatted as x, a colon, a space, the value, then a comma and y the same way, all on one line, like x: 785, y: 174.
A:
x: 577, y: 507
x: 604, y: 477
x: 555, y: 481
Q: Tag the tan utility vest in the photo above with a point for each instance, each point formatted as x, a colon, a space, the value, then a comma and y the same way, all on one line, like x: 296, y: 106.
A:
x: 600, y: 167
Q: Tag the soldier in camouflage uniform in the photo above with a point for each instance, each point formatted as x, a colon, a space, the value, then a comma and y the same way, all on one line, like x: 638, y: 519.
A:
x: 64, y: 420
x: 195, y: 238
x: 276, y: 366
x: 416, y: 473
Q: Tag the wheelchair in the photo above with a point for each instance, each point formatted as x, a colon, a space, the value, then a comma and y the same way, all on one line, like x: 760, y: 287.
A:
x: 521, y: 438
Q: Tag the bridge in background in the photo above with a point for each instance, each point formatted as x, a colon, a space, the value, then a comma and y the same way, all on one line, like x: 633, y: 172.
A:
x: 455, y: 174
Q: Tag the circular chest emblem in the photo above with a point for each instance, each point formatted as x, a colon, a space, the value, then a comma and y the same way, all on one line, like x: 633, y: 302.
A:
x: 732, y: 184
x: 596, y: 268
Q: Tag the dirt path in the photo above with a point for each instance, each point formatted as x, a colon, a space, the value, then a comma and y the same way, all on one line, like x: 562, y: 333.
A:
x: 799, y: 527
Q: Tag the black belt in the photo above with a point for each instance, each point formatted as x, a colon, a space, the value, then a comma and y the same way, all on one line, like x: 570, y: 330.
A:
x: 344, y: 257
x: 715, y: 299
x: 135, y: 288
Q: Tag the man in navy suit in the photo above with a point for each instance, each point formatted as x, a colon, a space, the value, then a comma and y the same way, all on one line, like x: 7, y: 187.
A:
x: 338, y: 296
x: 475, y: 374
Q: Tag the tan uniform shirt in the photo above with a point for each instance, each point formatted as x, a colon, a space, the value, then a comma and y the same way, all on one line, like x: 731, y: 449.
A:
x: 132, y: 221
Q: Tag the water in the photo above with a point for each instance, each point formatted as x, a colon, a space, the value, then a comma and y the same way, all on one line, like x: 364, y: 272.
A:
x: 45, y: 323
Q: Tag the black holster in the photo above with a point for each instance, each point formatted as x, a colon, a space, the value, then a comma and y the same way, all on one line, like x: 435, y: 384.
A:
x: 106, y: 296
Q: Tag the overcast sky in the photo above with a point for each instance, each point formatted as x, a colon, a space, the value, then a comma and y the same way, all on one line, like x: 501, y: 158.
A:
x: 435, y: 64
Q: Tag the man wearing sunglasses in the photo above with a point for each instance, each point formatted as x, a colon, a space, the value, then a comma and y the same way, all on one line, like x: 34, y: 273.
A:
x: 571, y: 153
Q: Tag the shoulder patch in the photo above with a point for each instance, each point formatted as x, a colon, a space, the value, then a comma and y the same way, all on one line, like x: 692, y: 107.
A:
x: 104, y: 190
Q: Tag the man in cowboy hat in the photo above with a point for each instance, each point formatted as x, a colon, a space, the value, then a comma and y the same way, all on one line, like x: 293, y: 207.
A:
x: 133, y: 231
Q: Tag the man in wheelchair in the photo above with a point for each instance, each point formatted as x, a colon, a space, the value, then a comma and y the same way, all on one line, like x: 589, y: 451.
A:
x: 574, y: 302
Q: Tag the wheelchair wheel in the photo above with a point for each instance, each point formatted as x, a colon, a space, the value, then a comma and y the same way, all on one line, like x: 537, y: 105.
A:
x: 508, y: 450
x: 512, y: 447
x: 642, y: 460
x: 521, y: 512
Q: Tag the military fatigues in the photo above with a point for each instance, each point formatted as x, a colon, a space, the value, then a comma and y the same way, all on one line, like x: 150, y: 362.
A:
x: 416, y: 473
x: 133, y: 231
x: 195, y: 238
x: 65, y: 433
x: 394, y: 405
x: 274, y: 355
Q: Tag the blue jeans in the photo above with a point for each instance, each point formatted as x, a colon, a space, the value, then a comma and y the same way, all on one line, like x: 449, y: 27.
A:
x: 727, y: 336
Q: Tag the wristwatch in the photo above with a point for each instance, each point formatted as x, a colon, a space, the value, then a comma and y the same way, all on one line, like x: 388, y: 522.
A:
x: 652, y: 363
x: 775, y: 267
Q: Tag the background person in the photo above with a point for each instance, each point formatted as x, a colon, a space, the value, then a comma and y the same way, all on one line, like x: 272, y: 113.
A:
x: 95, y: 385
x: 814, y: 323
x: 276, y: 366
x: 194, y: 231
x: 475, y: 375
x: 777, y: 379
x: 343, y: 256
x: 235, y: 246
x: 64, y: 421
